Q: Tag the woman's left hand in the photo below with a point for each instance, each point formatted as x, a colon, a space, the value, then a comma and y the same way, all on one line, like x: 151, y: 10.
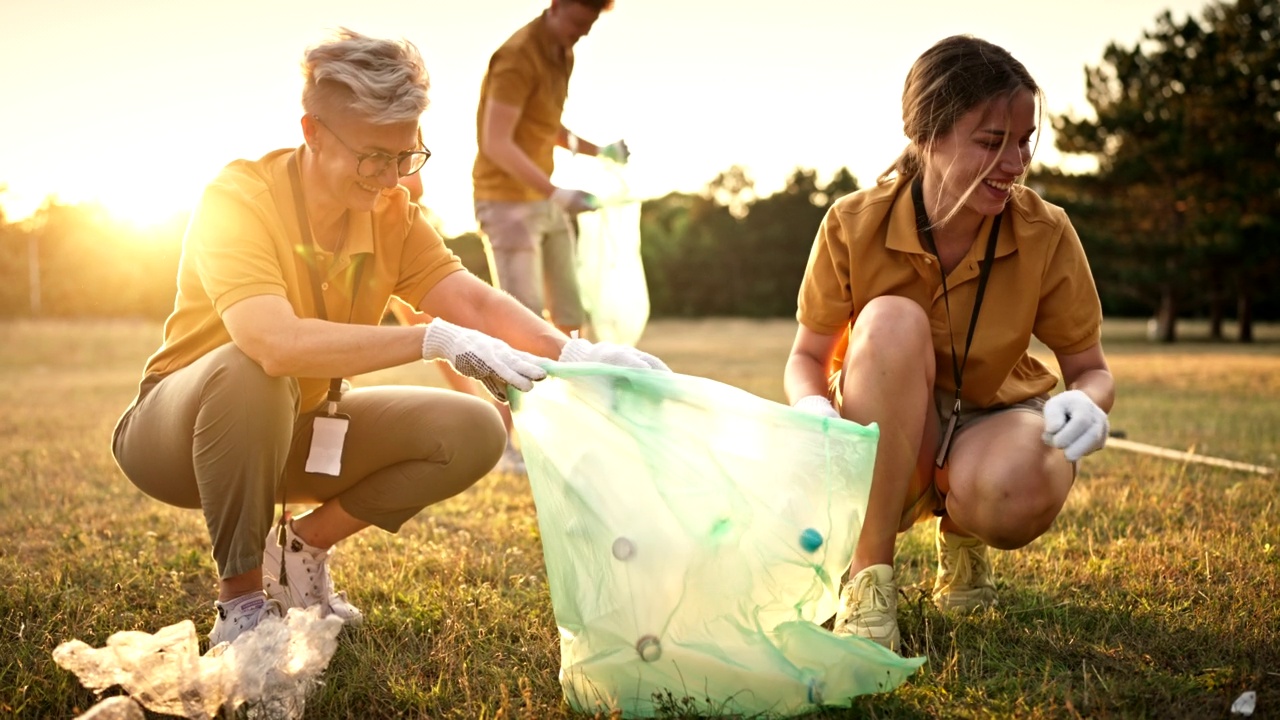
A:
x: 1075, y: 423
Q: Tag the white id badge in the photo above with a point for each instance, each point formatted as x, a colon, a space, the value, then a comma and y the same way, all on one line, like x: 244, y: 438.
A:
x: 327, y: 434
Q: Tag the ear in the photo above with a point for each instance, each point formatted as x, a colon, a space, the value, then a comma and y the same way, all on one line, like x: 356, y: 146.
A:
x: 310, y: 130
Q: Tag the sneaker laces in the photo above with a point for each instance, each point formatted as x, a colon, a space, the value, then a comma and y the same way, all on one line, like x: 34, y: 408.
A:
x: 964, y: 561
x: 868, y: 592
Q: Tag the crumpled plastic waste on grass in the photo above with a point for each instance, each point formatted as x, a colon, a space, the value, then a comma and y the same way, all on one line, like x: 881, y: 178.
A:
x: 272, y: 669
x: 695, y: 536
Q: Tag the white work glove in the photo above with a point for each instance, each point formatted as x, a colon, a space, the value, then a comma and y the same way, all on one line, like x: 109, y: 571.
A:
x: 476, y: 355
x: 579, y: 350
x: 615, y: 151
x: 1075, y: 423
x: 817, y: 405
x: 574, y: 201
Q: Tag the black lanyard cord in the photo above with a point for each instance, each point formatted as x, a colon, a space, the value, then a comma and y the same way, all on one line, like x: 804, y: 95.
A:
x: 923, y: 226
x: 304, y: 226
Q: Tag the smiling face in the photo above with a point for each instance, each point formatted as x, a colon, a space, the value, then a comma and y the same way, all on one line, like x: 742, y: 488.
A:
x: 974, y: 165
x: 338, y: 141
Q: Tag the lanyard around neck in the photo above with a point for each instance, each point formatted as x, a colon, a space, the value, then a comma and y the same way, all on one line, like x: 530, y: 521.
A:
x: 923, y: 226
x: 309, y: 256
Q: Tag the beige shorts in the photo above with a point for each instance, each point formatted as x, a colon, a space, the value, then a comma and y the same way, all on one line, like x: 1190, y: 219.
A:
x: 535, y: 257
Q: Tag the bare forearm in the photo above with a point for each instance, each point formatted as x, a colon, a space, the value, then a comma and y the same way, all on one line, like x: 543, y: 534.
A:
x: 575, y: 143
x: 802, y: 377
x: 1099, y: 385
x: 321, y: 349
x: 502, y: 316
x: 508, y: 156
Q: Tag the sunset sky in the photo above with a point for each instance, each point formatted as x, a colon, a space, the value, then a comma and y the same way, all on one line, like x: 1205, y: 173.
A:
x: 138, y: 103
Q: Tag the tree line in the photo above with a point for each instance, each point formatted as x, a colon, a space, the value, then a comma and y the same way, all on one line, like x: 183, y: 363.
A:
x: 1181, y: 218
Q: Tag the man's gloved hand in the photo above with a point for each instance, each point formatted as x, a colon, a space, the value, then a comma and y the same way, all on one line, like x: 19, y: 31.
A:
x: 616, y: 151
x: 1075, y: 423
x: 476, y: 355
x: 817, y: 405
x: 574, y: 201
x: 579, y: 350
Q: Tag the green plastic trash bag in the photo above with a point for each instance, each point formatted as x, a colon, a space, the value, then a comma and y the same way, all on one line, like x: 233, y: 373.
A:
x: 694, y: 534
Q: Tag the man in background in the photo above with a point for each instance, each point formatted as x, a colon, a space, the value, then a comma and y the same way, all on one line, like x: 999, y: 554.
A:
x: 526, y: 218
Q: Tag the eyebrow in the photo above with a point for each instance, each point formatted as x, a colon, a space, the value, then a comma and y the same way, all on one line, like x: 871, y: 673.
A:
x: 1000, y: 132
x: 417, y: 145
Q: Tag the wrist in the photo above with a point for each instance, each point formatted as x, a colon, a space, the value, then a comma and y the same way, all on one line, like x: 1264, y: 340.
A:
x: 437, y: 339
x: 575, y: 350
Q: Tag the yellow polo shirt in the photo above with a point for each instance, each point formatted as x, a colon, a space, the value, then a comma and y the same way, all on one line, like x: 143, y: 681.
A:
x: 1040, y: 285
x: 530, y: 71
x: 243, y: 240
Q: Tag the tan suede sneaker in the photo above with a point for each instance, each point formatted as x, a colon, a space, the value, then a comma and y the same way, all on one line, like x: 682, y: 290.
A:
x: 869, y: 607
x: 965, y: 582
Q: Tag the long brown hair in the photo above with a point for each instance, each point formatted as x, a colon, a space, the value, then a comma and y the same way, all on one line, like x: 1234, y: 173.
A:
x: 951, y: 78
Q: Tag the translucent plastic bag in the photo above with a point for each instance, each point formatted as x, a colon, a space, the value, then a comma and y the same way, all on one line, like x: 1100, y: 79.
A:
x: 611, y: 273
x: 693, y: 535
x: 610, y: 270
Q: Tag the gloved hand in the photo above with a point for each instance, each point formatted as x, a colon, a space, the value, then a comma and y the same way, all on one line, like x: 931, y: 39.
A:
x: 579, y: 350
x: 476, y: 355
x: 817, y: 405
x: 1075, y: 423
x: 574, y: 201
x: 615, y: 151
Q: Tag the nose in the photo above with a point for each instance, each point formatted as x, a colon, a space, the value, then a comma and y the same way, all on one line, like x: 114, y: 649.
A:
x: 390, y: 176
x: 1015, y: 158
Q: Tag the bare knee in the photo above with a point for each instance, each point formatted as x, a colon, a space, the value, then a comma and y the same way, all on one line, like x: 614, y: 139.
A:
x: 1006, y: 513
x: 892, y: 331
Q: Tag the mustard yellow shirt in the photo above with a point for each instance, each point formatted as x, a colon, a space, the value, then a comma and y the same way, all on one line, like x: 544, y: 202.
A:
x: 1040, y: 285
x: 243, y: 240
x: 530, y: 71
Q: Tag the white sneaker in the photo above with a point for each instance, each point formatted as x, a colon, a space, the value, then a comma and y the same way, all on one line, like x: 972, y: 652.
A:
x: 240, y: 615
x: 308, y: 583
x: 869, y: 607
x: 512, y: 461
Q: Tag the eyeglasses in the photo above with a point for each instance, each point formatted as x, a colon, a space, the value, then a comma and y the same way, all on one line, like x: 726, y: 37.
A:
x: 371, y: 165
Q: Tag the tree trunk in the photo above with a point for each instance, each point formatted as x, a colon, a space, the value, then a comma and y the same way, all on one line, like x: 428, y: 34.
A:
x: 1244, y: 309
x: 1167, y: 316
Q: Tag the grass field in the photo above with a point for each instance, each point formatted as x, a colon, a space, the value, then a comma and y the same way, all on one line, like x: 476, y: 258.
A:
x: 1156, y: 594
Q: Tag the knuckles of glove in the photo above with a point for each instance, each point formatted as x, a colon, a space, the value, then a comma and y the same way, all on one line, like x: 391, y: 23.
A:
x: 817, y: 405
x: 1075, y: 424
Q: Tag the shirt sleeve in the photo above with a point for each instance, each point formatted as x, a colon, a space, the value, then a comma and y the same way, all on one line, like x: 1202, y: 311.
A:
x: 511, y: 77
x: 826, y: 300
x: 426, y: 260
x: 232, y: 249
x: 1069, y: 315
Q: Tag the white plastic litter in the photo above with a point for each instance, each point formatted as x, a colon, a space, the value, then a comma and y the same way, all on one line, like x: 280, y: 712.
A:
x: 273, y: 668
x: 115, y: 708
x: 1245, y: 704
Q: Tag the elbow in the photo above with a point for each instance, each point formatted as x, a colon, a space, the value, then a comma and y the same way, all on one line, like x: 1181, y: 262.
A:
x: 268, y: 356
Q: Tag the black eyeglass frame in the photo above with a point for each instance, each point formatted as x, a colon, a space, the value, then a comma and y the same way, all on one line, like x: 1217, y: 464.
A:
x: 382, y: 160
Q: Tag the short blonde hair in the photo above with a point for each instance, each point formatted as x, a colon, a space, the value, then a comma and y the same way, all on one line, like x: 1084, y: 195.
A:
x: 382, y: 81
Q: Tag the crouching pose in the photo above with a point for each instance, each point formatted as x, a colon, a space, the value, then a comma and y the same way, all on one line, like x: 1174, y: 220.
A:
x: 287, y: 267
x: 916, y: 312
